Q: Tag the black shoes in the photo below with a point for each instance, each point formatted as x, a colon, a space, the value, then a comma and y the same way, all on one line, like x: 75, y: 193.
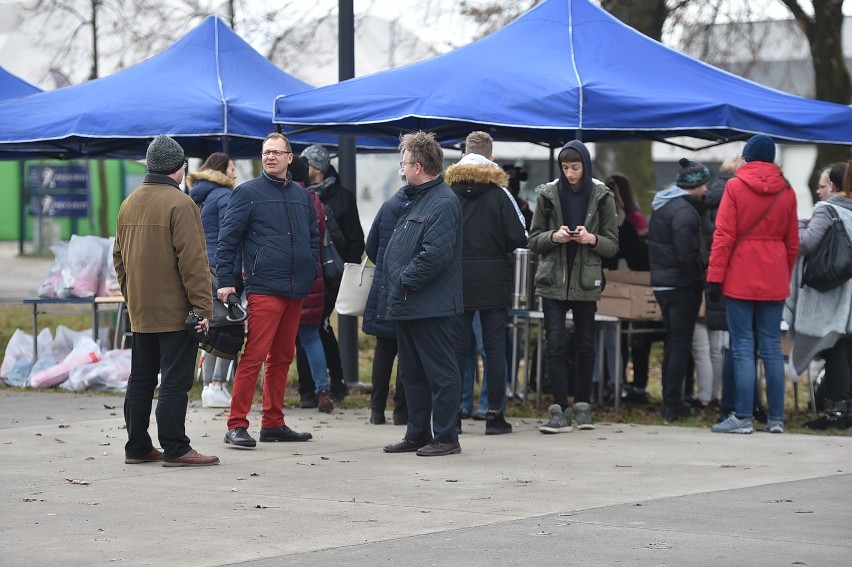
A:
x: 239, y: 437
x: 404, y: 446
x: 458, y: 426
x: 436, y: 449
x: 308, y: 402
x: 377, y: 417
x: 282, y: 433
x: 496, y: 424
x: 465, y: 413
x: 400, y: 418
x: 673, y: 413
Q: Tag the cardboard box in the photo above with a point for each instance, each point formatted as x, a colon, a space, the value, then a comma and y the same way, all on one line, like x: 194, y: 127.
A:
x: 628, y: 295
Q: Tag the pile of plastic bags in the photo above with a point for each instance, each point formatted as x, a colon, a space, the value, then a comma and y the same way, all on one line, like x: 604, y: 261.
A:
x: 82, y: 267
x: 71, y: 360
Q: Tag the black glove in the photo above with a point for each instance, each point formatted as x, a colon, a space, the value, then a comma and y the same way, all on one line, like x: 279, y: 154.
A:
x: 714, y: 291
x: 191, y: 321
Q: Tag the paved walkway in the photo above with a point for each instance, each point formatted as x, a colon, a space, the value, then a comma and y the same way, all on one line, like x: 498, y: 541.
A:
x: 618, y: 495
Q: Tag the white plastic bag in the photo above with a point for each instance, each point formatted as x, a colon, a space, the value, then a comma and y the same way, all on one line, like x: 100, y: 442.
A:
x: 49, y: 288
x: 85, y: 351
x: 84, y: 263
x: 20, y: 347
x: 108, y: 284
x: 110, y: 374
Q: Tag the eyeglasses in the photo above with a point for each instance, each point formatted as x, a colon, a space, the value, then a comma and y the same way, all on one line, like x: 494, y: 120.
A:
x: 404, y: 163
x: 276, y: 153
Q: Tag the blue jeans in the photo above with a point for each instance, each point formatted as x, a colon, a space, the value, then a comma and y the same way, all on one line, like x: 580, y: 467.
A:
x: 310, y: 338
x: 763, y: 319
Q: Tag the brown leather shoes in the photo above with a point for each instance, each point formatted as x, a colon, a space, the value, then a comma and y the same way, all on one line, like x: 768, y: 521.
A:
x: 436, y: 449
x: 404, y: 446
x: 153, y: 456
x: 324, y: 403
x: 192, y: 459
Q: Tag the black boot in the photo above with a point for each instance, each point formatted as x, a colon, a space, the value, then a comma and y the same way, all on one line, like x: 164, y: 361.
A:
x: 495, y: 423
x: 834, y: 417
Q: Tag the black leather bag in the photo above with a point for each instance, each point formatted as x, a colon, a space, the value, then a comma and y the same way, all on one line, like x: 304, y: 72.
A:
x: 332, y: 263
x: 227, y: 330
x: 830, y: 265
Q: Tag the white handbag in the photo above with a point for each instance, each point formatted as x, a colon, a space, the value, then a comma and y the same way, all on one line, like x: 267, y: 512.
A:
x: 354, y: 288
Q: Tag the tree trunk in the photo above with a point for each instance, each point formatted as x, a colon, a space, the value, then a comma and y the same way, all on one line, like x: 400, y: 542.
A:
x: 824, y: 32
x: 633, y: 159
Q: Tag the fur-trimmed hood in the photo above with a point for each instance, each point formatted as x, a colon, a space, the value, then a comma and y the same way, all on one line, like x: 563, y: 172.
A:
x: 475, y: 174
x: 212, y: 175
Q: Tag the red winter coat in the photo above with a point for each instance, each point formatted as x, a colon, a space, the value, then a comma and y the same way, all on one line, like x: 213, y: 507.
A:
x: 759, y: 268
x: 312, y: 305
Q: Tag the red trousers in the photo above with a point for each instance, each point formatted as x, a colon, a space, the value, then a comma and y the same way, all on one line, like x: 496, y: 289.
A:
x: 273, y: 323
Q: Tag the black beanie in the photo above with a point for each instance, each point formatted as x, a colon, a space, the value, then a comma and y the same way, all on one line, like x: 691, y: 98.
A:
x: 164, y: 156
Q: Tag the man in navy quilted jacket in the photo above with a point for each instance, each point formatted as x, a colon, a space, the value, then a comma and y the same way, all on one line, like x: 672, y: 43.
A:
x: 421, y: 289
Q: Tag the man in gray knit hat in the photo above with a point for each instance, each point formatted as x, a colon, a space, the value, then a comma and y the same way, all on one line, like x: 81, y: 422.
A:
x: 344, y: 227
x: 161, y: 263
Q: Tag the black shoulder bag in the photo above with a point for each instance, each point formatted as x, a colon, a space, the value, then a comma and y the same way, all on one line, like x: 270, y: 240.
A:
x: 830, y: 265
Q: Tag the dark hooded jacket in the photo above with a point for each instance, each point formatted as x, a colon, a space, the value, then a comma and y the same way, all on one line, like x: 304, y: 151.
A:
x: 675, y: 240
x: 422, y: 263
x: 492, y: 230
x: 349, y: 239
x: 584, y: 281
x: 717, y: 319
x: 211, y: 190
x: 377, y: 243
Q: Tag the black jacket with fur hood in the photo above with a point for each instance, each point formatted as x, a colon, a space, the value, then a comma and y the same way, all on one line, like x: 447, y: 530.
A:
x: 493, y: 228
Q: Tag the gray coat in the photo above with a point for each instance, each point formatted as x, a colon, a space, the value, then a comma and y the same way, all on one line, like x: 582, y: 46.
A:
x: 817, y: 319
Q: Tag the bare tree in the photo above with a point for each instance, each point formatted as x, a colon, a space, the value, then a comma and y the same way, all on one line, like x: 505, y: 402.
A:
x: 824, y: 30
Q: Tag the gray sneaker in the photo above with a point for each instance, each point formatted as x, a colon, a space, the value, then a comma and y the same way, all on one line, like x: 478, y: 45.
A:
x: 733, y: 424
x: 560, y: 422
x: 583, y: 416
x: 775, y: 426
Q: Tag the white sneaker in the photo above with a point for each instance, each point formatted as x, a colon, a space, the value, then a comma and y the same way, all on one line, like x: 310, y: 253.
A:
x: 205, y: 392
x: 218, y: 398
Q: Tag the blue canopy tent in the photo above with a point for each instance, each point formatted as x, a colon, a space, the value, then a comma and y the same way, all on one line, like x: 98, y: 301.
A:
x: 12, y: 86
x: 565, y: 69
x: 210, y: 91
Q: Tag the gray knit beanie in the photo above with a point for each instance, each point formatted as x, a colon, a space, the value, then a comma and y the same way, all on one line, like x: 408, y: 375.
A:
x: 317, y: 156
x: 164, y: 156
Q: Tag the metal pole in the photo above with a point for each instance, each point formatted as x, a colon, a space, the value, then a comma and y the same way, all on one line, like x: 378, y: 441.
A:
x: 347, y: 325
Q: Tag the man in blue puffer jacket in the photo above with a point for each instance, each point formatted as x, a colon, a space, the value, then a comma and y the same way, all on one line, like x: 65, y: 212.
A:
x: 421, y: 289
x: 273, y: 222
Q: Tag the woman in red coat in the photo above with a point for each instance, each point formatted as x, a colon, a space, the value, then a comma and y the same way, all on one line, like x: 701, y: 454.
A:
x: 754, y: 250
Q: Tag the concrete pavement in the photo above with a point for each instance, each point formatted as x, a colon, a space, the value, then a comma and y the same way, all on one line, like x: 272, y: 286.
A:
x: 621, y: 494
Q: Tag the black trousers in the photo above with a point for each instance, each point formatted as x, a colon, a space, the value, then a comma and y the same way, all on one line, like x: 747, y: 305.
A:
x: 493, y: 341
x: 383, y: 357
x: 431, y: 378
x: 173, y: 355
x: 679, y: 307
x: 838, y: 369
x: 558, y: 353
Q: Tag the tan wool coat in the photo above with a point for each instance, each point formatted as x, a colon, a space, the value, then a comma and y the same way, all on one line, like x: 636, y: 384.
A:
x: 161, y: 259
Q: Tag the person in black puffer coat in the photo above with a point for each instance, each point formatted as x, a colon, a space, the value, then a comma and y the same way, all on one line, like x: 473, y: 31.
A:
x: 344, y: 226
x: 382, y: 329
x: 493, y: 229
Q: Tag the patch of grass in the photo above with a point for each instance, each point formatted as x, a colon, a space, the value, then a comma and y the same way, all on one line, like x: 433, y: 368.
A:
x: 19, y: 316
